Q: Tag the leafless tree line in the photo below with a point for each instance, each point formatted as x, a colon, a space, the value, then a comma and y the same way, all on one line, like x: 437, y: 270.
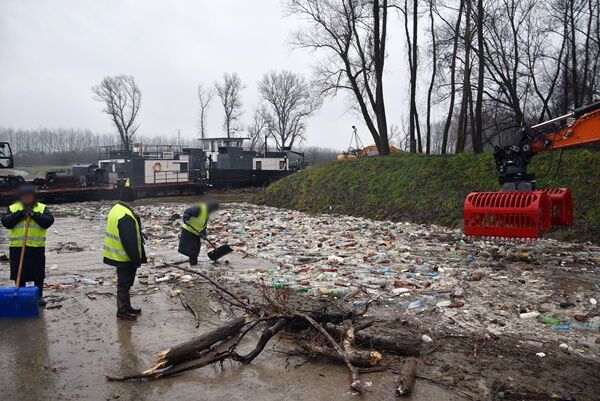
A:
x: 491, y: 66
x: 286, y: 101
x: 498, y: 66
x: 45, y: 146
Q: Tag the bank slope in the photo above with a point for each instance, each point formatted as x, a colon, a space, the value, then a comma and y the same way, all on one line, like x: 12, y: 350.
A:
x: 431, y: 189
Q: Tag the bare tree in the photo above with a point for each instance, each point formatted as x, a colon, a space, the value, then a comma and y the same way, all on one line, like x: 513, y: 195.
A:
x: 477, y: 133
x: 288, y: 102
x: 452, y: 77
x: 230, y: 91
x: 414, y: 130
x: 434, y: 62
x: 352, y: 35
x: 461, y: 135
x: 122, y: 98
x: 257, y: 128
x: 205, y: 96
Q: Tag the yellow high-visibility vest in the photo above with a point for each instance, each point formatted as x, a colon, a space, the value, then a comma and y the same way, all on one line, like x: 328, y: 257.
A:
x: 36, y: 236
x: 113, y: 249
x: 196, y: 225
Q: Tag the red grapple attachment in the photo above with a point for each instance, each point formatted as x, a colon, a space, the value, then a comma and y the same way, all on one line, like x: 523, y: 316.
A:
x: 507, y: 214
x: 561, y: 203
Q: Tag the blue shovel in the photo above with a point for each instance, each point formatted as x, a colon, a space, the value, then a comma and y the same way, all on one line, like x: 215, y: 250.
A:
x: 20, y: 301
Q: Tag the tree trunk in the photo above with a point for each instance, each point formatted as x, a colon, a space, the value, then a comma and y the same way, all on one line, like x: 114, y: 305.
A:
x: 433, y: 75
x: 413, y: 80
x: 406, y: 379
x: 452, y: 78
x: 477, y: 134
x: 461, y: 137
x: 188, y: 350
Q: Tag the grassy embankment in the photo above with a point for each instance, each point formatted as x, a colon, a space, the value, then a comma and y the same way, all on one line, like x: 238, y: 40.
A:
x: 431, y: 189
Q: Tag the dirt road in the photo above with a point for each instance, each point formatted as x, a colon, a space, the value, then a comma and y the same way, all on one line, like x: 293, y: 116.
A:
x: 66, y: 354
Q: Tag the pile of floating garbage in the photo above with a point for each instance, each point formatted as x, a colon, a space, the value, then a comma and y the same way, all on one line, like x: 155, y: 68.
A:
x: 547, y: 289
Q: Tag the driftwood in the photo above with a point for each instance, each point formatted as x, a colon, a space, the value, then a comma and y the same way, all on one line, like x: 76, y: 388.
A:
x: 355, y: 383
x: 393, y: 344
x: 358, y: 358
x: 188, y: 307
x: 406, y: 379
x: 237, y: 300
x: 190, y: 349
x: 262, y: 342
x: 324, y: 331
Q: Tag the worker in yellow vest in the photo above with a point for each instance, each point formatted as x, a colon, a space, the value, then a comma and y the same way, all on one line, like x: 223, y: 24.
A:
x: 124, y: 249
x: 40, y: 219
x: 195, y: 220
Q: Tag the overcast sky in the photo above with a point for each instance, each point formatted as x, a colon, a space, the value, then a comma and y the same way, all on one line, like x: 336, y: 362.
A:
x: 53, y: 51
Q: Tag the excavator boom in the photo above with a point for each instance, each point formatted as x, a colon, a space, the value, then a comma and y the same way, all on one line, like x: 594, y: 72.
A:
x: 520, y: 210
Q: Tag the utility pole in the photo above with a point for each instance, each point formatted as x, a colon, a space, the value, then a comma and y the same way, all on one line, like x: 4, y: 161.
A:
x: 178, y: 136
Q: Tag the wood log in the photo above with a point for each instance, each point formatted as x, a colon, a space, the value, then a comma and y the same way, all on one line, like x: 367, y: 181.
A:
x: 406, y: 379
x: 262, y: 342
x: 359, y: 358
x: 393, y: 344
x: 191, y: 349
x: 355, y: 383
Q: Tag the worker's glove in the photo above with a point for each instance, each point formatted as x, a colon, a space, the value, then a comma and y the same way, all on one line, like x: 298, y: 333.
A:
x: 28, y: 212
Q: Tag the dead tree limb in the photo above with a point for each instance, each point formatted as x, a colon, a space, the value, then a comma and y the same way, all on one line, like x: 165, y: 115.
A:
x: 358, y: 358
x: 241, y: 303
x: 187, y: 306
x: 355, y: 383
x: 406, y: 379
x: 394, y: 344
x: 190, y: 349
x: 262, y: 342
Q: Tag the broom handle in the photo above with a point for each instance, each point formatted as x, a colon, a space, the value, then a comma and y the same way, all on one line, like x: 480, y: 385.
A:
x: 22, y: 256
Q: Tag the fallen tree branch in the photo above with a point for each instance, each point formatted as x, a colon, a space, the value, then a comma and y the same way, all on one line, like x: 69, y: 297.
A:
x: 239, y: 302
x: 262, y: 342
x: 358, y: 358
x: 406, y: 379
x: 355, y: 383
x: 187, y: 306
x: 190, y: 349
x: 397, y: 345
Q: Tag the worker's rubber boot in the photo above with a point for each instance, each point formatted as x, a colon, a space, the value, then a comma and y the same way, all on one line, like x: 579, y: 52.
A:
x: 122, y: 312
x: 41, y: 301
x: 131, y: 309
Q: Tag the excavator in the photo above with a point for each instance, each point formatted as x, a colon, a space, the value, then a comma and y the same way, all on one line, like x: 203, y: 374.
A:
x: 6, y: 156
x: 519, y: 209
x: 8, y: 181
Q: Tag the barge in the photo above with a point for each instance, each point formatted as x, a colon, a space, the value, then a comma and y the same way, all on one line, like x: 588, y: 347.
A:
x: 161, y: 170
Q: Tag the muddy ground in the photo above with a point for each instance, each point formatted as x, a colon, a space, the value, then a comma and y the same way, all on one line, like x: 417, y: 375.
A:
x: 478, y: 351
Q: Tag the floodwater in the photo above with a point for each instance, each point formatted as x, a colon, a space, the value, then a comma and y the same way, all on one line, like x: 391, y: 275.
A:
x: 67, y: 352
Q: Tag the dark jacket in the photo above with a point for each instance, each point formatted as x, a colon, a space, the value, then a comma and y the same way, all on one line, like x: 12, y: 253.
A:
x: 189, y: 243
x: 128, y: 235
x: 34, y: 262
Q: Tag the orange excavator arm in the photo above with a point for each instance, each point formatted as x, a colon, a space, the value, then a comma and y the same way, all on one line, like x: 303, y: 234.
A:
x: 584, y: 128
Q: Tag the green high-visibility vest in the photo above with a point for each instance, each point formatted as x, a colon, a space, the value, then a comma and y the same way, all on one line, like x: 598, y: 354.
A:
x: 113, y: 248
x: 36, y: 236
x: 196, y: 225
